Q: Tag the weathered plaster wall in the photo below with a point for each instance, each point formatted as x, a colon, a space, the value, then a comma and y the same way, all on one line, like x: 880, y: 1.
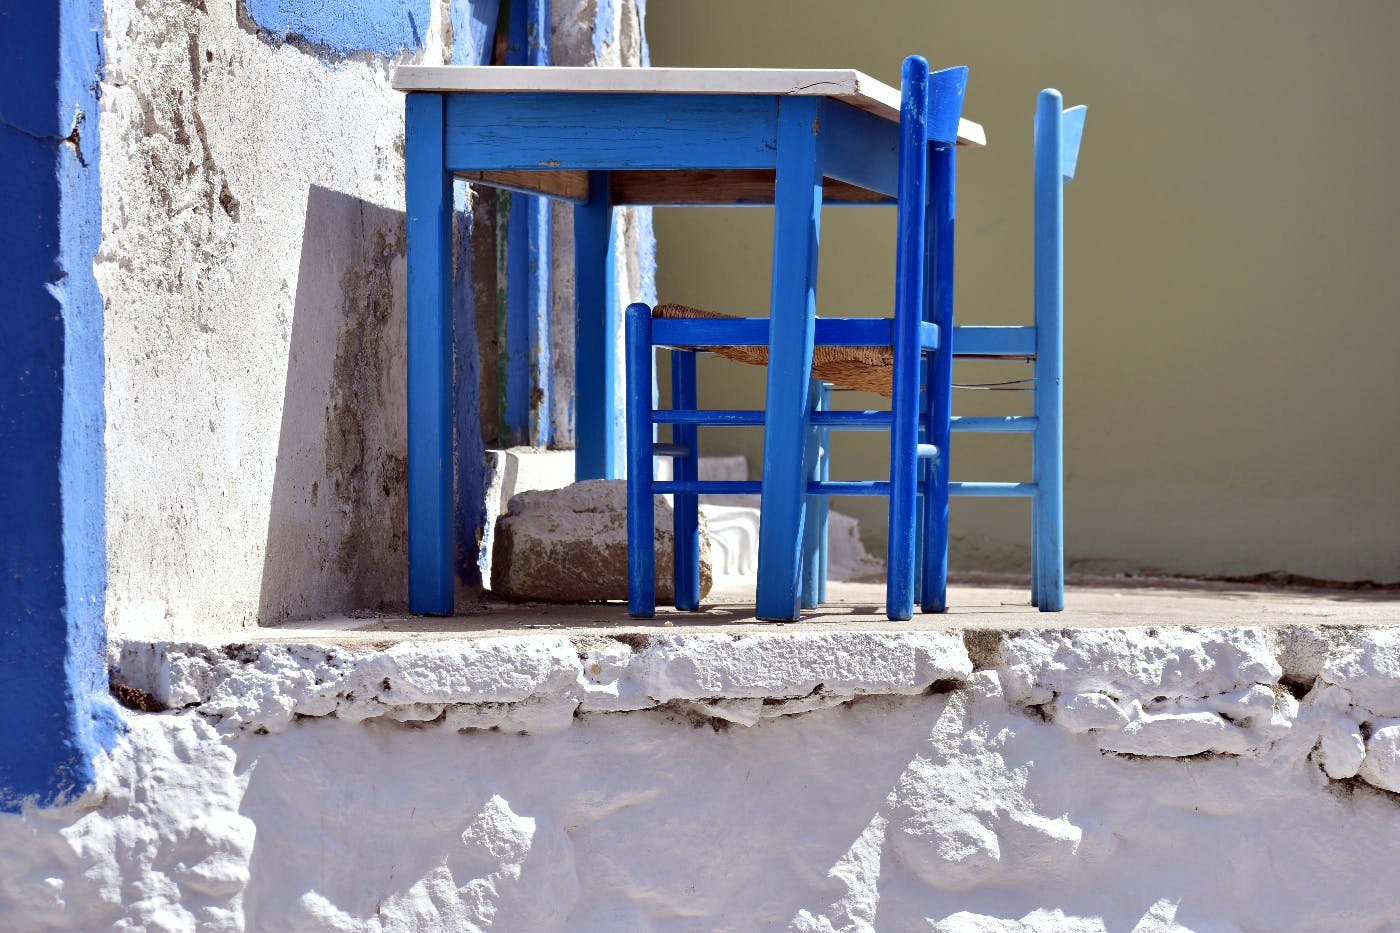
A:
x: 252, y: 265
x: 618, y: 39
x: 1081, y: 780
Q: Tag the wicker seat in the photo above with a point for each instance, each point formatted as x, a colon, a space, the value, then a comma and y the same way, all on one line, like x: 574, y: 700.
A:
x: 863, y: 369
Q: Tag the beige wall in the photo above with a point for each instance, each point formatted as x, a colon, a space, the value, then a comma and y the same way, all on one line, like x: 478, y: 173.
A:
x: 1233, y: 279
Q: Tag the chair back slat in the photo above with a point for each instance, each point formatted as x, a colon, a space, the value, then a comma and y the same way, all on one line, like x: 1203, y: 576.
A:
x: 1072, y: 130
x: 946, y: 88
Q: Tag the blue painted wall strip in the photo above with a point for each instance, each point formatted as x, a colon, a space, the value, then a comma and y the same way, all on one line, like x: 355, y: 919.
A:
x: 53, y: 537
x: 472, y: 536
x: 527, y: 339
x: 538, y: 318
x: 386, y: 27
x: 474, y: 31
x: 539, y: 261
x: 604, y: 29
x: 514, y: 224
x: 604, y: 35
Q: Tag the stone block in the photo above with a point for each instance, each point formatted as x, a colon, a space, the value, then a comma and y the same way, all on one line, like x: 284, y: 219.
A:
x: 570, y: 545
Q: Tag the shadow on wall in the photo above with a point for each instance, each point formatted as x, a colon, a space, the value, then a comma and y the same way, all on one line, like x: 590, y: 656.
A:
x: 459, y: 804
x: 337, y: 536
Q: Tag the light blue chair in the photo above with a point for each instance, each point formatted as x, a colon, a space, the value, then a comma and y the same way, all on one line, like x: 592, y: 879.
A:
x: 930, y: 110
x: 1056, y: 144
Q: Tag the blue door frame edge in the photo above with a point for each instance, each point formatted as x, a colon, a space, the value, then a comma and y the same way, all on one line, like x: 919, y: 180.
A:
x: 60, y: 716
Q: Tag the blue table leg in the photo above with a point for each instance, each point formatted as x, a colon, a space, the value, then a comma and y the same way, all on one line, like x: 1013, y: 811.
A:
x: 597, y: 411
x: 428, y: 199
x: 797, y: 221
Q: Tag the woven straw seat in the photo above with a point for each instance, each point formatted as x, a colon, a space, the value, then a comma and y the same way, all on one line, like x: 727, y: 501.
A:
x: 866, y: 369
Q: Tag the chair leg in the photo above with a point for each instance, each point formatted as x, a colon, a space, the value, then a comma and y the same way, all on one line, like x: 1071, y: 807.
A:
x: 823, y: 516
x: 923, y: 478
x: 641, y: 518
x: 687, y: 469
x: 797, y: 219
x: 814, y: 547
x: 910, y: 282
x: 1035, y: 533
x: 938, y: 397
x: 904, y: 467
x: 1049, y: 389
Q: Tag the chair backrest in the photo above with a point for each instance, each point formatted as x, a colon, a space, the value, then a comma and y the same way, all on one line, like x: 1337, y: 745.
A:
x: 1056, y: 142
x: 930, y: 111
x: 1057, y: 135
x: 1048, y: 112
x: 945, y: 101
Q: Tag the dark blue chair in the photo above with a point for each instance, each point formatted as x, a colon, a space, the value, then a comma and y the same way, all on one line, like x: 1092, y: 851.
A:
x: 1058, y: 132
x: 916, y: 337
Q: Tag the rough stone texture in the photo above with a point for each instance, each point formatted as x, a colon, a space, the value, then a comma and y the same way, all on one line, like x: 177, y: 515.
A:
x: 570, y: 545
x: 159, y: 844
x: 252, y: 264
x: 264, y: 687
x: 617, y: 41
x: 514, y: 470
x: 1169, y: 692
x: 511, y: 471
x: 812, y: 781
x: 731, y: 521
x: 1381, y: 766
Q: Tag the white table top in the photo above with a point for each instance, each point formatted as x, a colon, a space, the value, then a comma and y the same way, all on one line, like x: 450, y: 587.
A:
x: 844, y: 84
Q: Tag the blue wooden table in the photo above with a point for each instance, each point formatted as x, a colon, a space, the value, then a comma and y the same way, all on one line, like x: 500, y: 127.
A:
x: 605, y: 137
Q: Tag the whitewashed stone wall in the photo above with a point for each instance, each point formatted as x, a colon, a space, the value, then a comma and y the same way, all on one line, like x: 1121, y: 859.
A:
x: 1212, y: 779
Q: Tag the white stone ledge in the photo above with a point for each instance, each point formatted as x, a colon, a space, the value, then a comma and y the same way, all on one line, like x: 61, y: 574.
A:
x: 1166, y: 692
x: 532, y: 683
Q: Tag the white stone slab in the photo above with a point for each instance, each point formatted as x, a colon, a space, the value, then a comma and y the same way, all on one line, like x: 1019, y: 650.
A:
x: 267, y: 686
x: 844, y: 84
